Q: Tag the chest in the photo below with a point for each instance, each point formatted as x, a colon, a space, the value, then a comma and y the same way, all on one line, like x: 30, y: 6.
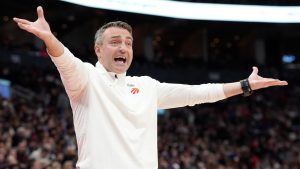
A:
x: 129, y: 94
x: 132, y: 103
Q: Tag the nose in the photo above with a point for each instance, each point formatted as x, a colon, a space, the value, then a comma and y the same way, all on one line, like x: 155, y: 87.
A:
x: 122, y: 47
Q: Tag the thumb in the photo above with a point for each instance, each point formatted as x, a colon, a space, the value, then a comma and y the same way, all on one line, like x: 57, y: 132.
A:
x: 40, y: 12
x: 255, y: 70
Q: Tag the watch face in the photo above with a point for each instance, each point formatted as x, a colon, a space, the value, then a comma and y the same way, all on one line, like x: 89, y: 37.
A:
x: 247, y: 91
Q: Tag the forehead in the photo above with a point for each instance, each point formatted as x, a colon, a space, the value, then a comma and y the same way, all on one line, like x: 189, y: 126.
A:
x: 113, y: 32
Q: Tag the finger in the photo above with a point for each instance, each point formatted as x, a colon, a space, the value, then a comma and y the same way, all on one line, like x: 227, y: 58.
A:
x: 40, y: 12
x: 23, y: 26
x: 273, y: 80
x: 26, y: 27
x: 284, y: 83
x: 255, y: 70
x: 276, y: 83
x: 281, y: 82
x: 23, y: 21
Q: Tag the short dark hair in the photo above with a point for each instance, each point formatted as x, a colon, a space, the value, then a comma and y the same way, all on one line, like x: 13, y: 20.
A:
x: 117, y: 24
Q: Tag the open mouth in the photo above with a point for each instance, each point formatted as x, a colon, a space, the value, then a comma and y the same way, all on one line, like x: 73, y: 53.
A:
x: 120, y: 59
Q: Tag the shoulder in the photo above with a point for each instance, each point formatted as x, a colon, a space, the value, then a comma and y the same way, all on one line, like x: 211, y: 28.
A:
x: 142, y: 80
x: 89, y: 65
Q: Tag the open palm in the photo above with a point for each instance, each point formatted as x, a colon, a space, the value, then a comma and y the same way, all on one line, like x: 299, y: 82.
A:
x: 39, y: 28
x: 258, y: 82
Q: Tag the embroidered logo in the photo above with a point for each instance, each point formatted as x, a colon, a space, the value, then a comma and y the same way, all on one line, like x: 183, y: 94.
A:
x: 130, y: 85
x: 135, y: 90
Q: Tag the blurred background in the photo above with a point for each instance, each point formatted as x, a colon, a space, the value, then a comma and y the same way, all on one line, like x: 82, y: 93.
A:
x: 257, y: 132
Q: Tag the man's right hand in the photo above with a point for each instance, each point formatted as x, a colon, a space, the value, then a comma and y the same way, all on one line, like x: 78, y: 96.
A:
x: 39, y: 28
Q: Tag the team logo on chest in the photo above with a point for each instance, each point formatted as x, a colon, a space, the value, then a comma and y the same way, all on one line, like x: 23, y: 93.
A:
x: 134, y: 90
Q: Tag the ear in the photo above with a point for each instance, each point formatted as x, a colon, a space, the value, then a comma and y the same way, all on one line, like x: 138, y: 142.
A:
x: 97, y: 50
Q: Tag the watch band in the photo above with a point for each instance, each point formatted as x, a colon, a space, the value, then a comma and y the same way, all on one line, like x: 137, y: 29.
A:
x: 245, y: 85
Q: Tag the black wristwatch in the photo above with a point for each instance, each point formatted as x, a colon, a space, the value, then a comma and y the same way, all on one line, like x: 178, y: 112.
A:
x: 245, y: 85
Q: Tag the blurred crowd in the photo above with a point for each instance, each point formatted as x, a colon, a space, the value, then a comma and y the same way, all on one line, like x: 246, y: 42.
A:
x: 36, y: 129
x: 260, y: 132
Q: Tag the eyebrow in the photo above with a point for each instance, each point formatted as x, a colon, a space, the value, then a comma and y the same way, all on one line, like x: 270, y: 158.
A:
x: 118, y: 36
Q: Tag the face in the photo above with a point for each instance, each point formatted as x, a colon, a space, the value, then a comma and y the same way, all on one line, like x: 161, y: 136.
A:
x: 115, y: 51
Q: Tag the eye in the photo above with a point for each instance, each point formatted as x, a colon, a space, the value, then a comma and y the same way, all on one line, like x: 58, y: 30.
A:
x: 114, y: 43
x: 129, y: 43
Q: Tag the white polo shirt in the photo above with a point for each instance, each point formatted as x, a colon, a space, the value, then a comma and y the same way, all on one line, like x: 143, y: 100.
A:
x: 115, y: 116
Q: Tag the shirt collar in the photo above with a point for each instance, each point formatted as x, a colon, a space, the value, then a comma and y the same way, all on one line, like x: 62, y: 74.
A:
x: 114, y: 76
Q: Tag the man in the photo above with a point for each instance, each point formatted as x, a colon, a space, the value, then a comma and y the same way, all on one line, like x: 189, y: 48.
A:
x: 115, y: 116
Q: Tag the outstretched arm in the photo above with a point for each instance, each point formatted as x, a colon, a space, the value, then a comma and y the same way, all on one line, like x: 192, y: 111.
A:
x: 72, y: 70
x: 177, y: 95
x: 255, y: 81
x: 41, y: 29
